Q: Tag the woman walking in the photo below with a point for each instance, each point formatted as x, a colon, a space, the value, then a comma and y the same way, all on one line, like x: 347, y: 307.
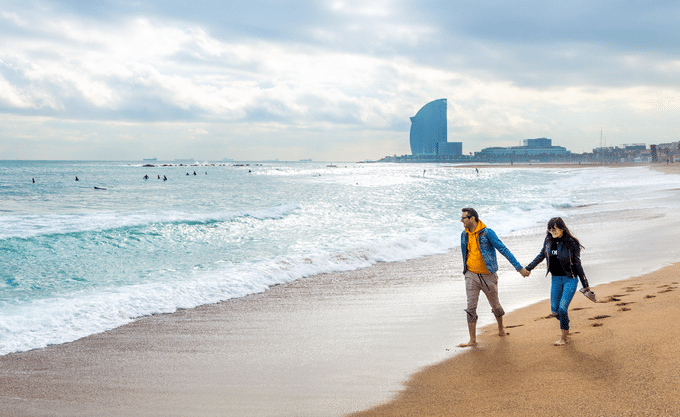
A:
x: 562, y: 252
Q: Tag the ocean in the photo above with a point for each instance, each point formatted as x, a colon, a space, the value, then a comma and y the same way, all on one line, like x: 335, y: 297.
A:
x: 82, y: 257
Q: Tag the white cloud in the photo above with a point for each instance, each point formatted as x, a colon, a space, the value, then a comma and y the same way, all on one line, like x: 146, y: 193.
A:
x: 374, y: 9
x: 346, y: 69
x: 10, y: 96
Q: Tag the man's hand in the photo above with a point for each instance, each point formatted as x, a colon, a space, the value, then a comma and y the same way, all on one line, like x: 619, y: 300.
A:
x: 524, y: 272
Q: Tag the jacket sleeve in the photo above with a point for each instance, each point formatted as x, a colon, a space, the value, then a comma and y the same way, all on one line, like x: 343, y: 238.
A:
x: 500, y: 247
x: 576, y: 267
x: 538, y: 259
x: 463, y: 250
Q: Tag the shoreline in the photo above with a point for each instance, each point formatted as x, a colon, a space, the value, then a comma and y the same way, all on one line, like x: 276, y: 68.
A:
x: 179, y: 363
x: 621, y: 360
x: 322, y: 346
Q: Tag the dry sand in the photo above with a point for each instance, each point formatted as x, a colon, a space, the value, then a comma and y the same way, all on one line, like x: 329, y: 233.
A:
x: 622, y: 360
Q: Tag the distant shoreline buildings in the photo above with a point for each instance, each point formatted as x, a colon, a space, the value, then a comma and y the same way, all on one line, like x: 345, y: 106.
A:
x: 429, y: 143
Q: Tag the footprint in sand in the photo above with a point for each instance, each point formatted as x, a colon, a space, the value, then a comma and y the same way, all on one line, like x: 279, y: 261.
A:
x: 668, y: 289
x: 625, y: 304
x: 598, y: 318
x: 624, y: 309
x: 650, y: 296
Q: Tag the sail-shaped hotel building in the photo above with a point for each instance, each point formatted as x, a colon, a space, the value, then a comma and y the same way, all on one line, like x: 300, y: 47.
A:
x: 428, y: 131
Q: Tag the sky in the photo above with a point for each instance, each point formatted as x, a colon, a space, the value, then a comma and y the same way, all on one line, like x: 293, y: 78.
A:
x: 330, y: 80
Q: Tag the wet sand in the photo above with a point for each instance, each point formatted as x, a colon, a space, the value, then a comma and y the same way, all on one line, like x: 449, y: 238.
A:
x: 622, y: 360
x: 326, y: 345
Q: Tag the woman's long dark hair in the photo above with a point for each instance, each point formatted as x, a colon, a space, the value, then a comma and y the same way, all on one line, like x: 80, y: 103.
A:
x: 558, y: 222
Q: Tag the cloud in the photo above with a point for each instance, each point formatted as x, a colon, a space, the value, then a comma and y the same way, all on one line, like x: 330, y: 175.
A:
x: 310, y: 72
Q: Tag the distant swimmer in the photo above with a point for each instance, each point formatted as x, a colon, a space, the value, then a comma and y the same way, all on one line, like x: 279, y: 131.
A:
x: 33, y: 180
x: 146, y: 177
x: 99, y: 188
x: 424, y: 173
x: 194, y: 172
x: 187, y: 174
x: 165, y: 178
x: 476, y: 170
x: 159, y: 177
x: 77, y: 178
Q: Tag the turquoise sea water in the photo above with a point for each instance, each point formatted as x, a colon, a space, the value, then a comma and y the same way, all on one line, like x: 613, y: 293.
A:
x: 78, y: 260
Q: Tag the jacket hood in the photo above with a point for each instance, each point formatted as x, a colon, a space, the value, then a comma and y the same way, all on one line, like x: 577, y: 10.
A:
x: 480, y: 226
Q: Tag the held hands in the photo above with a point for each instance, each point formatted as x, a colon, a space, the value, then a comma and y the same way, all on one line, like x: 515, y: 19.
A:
x: 524, y: 272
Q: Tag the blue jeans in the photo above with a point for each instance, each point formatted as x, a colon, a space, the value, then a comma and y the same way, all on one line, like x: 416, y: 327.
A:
x: 561, y: 293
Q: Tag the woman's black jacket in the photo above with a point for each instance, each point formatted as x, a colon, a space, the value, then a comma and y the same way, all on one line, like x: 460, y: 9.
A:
x: 569, y: 254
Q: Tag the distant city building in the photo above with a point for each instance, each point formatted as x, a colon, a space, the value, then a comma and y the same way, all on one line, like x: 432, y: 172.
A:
x: 634, y: 146
x: 654, y: 153
x: 537, y: 143
x: 429, y: 143
x: 428, y: 128
x: 634, y: 152
x: 539, y: 149
x: 449, y: 148
x: 668, y: 151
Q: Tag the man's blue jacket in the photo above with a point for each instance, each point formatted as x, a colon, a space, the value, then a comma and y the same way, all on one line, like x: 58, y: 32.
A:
x: 488, y: 244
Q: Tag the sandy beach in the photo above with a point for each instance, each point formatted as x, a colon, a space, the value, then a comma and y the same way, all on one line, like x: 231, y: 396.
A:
x: 339, y: 343
x: 621, y: 360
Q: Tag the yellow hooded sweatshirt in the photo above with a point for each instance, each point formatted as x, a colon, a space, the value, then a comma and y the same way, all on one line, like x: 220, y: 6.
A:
x: 475, y: 262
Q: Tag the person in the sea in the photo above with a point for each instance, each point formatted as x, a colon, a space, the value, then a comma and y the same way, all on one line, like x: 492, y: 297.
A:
x: 478, y: 245
x: 562, y: 252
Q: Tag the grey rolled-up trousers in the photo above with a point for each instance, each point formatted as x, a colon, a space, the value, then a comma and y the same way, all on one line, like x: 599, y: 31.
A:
x: 488, y: 284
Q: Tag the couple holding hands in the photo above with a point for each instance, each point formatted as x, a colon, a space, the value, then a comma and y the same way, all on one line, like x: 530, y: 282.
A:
x: 561, y: 250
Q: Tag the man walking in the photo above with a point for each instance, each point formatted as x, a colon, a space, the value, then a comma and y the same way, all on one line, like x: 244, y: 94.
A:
x: 478, y: 244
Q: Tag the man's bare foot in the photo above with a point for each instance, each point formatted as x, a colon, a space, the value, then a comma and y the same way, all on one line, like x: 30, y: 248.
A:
x: 561, y: 342
x: 502, y: 333
x: 471, y: 343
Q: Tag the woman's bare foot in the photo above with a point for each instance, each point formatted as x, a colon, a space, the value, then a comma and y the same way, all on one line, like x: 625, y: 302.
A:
x: 563, y: 339
x: 471, y: 343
